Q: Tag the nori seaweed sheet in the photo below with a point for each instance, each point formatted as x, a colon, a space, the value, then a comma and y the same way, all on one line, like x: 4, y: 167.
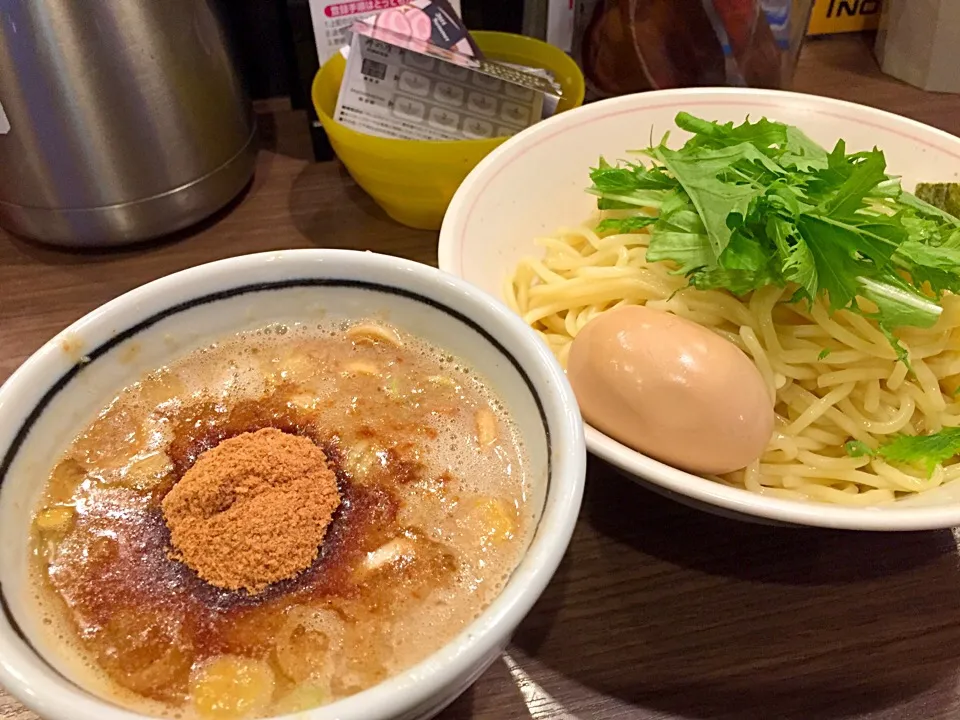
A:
x: 945, y: 196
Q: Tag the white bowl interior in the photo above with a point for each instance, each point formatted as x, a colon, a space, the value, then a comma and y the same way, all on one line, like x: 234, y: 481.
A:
x: 534, y: 184
x: 155, y: 324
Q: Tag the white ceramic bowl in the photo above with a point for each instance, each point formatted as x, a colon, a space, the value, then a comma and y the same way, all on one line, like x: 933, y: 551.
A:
x: 534, y: 183
x: 61, y: 388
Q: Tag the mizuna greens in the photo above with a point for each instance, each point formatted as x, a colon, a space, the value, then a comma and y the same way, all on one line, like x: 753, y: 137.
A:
x: 741, y: 207
x: 926, y: 451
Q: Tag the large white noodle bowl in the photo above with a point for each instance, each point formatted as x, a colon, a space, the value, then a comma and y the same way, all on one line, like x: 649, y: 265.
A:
x: 535, y: 182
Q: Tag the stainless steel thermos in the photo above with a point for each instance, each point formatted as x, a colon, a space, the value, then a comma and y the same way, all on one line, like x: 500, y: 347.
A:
x: 120, y: 120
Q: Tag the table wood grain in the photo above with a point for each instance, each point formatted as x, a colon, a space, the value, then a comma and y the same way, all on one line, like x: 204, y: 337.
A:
x: 657, y: 611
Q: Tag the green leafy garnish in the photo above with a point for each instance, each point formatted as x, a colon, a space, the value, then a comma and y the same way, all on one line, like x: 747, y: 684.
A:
x: 629, y: 185
x: 927, y: 451
x: 924, y: 450
x: 857, y: 448
x: 746, y: 206
x: 625, y: 225
x: 823, y: 354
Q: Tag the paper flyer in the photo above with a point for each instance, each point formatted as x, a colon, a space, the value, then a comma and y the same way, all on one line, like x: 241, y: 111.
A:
x: 414, y: 73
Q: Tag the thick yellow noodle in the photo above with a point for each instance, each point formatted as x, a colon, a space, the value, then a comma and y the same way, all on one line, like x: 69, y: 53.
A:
x: 832, y: 378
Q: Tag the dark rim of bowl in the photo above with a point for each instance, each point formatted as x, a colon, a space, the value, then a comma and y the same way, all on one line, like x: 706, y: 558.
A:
x: 131, y: 332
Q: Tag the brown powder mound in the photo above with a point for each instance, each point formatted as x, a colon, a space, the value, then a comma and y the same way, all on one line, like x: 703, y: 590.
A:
x: 253, y: 510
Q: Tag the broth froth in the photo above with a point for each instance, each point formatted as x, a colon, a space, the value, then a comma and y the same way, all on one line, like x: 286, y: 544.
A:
x: 433, y: 518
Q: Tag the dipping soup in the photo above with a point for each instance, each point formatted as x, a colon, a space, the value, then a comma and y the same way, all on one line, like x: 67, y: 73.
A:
x: 429, y: 520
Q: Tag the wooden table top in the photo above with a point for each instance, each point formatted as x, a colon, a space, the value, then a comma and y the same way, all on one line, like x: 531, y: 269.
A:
x: 657, y: 611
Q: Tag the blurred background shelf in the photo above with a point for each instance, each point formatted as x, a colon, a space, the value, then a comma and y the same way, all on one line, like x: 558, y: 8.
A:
x: 839, y: 66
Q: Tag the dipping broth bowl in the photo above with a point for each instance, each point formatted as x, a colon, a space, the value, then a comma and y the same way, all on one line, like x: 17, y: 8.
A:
x: 59, y: 390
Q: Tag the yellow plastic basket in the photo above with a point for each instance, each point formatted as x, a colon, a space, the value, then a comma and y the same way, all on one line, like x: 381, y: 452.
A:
x: 414, y: 180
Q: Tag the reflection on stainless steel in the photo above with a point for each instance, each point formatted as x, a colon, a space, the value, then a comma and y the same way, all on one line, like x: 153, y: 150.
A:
x: 540, y: 704
x: 127, y: 119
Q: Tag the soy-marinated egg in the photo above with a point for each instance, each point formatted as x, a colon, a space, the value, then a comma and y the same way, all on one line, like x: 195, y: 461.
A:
x: 671, y: 389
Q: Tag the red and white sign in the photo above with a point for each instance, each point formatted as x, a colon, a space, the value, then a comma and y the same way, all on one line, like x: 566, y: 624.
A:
x: 332, y: 20
x: 360, y: 7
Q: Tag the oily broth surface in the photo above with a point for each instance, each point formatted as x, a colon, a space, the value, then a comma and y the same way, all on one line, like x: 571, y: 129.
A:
x: 433, y: 519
